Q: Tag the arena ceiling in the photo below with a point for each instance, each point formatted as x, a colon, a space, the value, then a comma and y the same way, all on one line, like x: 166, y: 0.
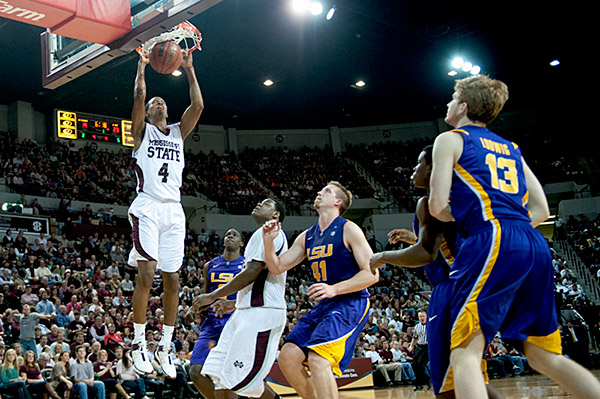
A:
x: 400, y: 49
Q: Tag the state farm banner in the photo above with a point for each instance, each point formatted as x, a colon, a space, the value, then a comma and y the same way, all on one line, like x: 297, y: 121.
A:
x: 97, y: 21
x: 358, y: 374
x: 44, y: 13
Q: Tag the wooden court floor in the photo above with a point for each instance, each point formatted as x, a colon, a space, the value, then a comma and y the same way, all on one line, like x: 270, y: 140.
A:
x: 535, y: 386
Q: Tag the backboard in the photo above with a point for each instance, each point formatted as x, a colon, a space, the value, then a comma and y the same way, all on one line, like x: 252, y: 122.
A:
x: 65, y: 59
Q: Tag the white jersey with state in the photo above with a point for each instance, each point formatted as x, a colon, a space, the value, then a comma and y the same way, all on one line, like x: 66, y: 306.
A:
x: 160, y: 162
x: 268, y: 290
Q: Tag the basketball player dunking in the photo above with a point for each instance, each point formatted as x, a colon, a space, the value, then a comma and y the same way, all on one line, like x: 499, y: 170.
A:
x: 156, y: 214
x: 339, y: 256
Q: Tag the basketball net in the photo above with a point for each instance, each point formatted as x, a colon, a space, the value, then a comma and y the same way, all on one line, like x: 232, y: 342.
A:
x: 186, y: 35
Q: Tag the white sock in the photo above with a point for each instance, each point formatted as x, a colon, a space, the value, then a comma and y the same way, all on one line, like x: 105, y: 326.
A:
x: 139, y: 333
x: 167, y: 335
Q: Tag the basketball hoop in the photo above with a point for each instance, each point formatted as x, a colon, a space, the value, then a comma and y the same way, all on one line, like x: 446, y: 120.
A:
x: 185, y: 34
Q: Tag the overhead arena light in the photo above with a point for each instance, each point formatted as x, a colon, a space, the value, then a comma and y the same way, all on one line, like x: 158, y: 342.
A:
x: 300, y: 5
x: 331, y: 12
x: 268, y: 82
x: 459, y: 65
x: 315, y: 8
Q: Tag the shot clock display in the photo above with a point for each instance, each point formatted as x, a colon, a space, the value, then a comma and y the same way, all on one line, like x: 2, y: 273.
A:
x: 84, y: 126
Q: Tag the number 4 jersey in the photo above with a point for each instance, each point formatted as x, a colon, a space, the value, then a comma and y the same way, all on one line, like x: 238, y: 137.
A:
x: 488, y: 182
x: 160, y: 162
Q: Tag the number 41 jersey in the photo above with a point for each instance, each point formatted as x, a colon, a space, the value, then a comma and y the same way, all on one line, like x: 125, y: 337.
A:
x: 488, y: 181
x: 159, y: 163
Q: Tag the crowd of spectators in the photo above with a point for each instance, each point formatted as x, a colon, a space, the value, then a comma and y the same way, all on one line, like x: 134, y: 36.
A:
x: 79, y: 288
x: 584, y: 234
x: 392, y: 164
x: 68, y: 304
x: 296, y: 175
x: 92, y: 174
x: 222, y: 179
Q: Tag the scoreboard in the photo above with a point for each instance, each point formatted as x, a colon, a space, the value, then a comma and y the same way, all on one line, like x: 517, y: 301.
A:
x: 84, y: 126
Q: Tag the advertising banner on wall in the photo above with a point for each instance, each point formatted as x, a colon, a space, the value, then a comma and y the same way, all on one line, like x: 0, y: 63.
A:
x: 358, y: 374
x: 29, y: 224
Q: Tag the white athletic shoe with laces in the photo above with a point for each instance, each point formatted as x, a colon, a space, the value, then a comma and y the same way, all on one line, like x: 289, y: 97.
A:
x: 140, y: 359
x: 164, y: 357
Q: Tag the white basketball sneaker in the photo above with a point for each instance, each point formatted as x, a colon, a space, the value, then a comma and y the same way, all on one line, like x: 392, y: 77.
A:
x: 164, y: 357
x: 139, y: 357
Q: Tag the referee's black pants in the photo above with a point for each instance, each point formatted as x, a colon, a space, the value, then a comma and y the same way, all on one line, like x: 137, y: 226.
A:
x: 419, y: 364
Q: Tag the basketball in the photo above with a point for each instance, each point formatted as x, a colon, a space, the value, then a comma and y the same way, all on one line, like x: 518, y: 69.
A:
x: 166, y: 57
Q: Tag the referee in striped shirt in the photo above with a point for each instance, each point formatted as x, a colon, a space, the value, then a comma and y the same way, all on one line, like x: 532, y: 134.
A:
x: 421, y: 357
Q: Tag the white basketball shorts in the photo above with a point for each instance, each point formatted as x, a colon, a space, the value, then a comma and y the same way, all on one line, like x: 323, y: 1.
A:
x: 246, y: 351
x: 158, y: 231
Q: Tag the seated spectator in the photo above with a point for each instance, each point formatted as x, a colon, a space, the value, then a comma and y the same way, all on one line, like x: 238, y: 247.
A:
x: 381, y: 367
x: 60, y: 377
x: 42, y: 344
x: 128, y: 377
x: 10, y: 380
x: 408, y: 373
x: 112, y: 339
x: 79, y: 341
x: 31, y: 373
x: 45, y: 361
x: 62, y: 318
x: 45, y: 306
x: 95, y: 349
x: 105, y: 373
x: 29, y: 298
x: 126, y: 284
x: 82, y: 373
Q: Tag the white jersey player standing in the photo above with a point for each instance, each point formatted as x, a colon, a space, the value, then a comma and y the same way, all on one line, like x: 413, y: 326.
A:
x: 248, y: 345
x: 156, y: 214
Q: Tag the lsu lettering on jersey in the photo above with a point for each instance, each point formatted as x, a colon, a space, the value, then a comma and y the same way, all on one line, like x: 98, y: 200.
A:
x: 160, y: 162
x: 220, y: 272
x: 332, y: 328
x: 328, y: 257
x: 268, y: 290
x: 488, y: 182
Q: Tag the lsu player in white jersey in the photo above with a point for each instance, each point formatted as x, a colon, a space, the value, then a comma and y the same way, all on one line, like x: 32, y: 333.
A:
x: 248, y: 345
x: 156, y: 214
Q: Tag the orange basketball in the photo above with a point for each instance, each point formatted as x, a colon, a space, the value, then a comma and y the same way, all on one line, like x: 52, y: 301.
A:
x: 166, y: 57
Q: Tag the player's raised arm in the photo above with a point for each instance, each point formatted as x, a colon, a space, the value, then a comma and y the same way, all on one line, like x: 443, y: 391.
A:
x: 192, y: 113
x: 241, y: 280
x: 424, y: 251
x: 293, y: 256
x: 138, y: 114
x: 397, y: 235
x: 446, y: 151
x: 537, y: 205
x: 206, y: 286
